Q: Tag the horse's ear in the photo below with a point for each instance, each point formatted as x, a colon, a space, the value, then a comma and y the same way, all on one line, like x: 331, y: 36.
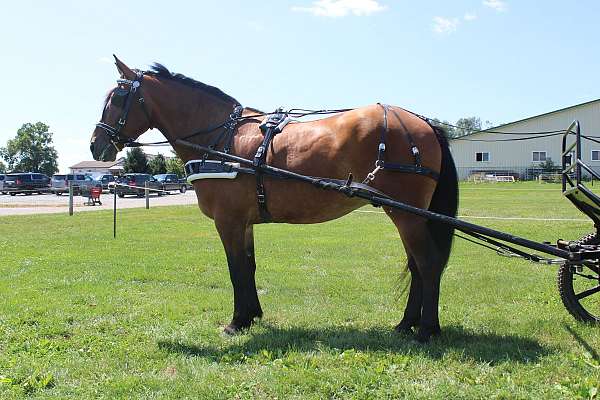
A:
x: 123, y: 69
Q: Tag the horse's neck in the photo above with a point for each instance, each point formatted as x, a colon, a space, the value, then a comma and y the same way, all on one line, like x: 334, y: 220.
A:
x: 182, y: 111
x: 180, y: 114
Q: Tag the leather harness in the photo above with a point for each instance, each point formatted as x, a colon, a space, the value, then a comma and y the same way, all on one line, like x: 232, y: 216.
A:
x: 124, y: 95
x: 275, y: 123
x: 270, y: 127
x: 416, y: 168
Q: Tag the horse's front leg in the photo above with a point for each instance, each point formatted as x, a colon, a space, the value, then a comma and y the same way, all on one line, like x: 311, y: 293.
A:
x: 238, y: 241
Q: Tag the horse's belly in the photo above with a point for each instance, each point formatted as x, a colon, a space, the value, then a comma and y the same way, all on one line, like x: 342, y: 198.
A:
x: 299, y: 203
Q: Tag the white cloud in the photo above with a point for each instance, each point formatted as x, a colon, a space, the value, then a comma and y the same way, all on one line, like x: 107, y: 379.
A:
x: 470, y: 17
x: 105, y: 60
x: 445, y: 26
x: 341, y: 8
x: 497, y: 5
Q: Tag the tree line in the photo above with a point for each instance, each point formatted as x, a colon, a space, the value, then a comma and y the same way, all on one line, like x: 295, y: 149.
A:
x: 32, y: 150
x: 462, y: 127
x: 137, y: 161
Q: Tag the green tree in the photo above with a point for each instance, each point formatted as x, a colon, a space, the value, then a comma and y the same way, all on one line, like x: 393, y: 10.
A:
x: 31, y: 150
x: 136, y: 161
x: 175, y: 166
x: 158, y: 165
x: 548, y: 166
x: 445, y: 125
x: 467, y: 125
x: 2, y: 167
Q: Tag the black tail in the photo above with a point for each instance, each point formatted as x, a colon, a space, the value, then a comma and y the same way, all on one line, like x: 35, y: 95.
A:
x: 445, y: 198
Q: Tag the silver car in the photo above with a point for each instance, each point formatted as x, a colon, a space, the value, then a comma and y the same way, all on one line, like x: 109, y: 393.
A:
x: 60, y: 183
x: 2, y: 177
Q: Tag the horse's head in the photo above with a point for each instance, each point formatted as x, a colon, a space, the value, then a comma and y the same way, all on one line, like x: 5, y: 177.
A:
x: 125, y: 115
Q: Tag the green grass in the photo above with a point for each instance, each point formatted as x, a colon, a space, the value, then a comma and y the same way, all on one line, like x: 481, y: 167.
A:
x: 86, y: 316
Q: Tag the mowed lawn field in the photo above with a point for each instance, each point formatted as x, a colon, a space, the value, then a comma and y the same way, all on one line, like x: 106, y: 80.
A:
x: 83, y: 315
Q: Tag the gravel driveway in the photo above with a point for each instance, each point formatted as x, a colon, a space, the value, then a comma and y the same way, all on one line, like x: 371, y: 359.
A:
x: 50, y: 203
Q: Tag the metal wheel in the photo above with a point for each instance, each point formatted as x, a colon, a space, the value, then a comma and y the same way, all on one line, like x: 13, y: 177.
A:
x: 182, y: 189
x: 579, y: 288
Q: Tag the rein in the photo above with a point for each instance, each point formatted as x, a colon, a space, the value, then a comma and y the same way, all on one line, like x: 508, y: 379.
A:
x: 234, y: 119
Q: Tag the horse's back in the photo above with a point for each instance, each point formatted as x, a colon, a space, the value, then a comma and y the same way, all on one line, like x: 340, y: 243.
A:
x: 349, y: 142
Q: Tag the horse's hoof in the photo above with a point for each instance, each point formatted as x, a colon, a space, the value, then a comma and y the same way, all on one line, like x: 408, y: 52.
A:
x: 235, y: 329
x: 231, y: 330
x: 425, y: 333
x: 405, y: 330
x: 405, y: 327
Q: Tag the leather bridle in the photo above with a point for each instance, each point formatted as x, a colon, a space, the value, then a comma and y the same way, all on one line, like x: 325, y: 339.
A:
x: 124, y: 96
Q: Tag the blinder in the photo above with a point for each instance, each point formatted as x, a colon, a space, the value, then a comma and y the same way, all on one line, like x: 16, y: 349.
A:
x: 119, y: 96
x: 123, y: 97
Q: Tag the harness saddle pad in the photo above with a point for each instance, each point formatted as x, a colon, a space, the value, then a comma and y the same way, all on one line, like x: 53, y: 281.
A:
x: 210, y: 169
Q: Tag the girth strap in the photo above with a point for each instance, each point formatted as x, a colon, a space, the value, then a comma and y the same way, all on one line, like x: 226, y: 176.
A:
x: 270, y: 127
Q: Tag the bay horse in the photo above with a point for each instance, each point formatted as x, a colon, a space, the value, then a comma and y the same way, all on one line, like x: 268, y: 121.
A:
x: 331, y: 147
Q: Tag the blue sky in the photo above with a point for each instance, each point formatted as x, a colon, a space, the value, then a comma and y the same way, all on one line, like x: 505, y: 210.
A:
x: 499, y: 60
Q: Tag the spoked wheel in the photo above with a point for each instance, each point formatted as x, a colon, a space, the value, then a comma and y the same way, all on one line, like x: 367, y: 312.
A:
x: 579, y: 286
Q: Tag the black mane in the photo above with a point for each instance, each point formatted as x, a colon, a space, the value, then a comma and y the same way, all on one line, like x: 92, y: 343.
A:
x: 161, y: 71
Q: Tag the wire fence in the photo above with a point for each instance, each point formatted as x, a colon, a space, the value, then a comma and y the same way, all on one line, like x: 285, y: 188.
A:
x: 511, y: 173
x: 75, y: 199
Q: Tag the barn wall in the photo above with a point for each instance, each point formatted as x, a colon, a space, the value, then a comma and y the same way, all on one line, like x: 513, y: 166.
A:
x: 517, y: 156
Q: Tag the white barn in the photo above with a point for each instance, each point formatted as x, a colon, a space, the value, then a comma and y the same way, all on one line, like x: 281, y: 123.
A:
x: 479, y: 152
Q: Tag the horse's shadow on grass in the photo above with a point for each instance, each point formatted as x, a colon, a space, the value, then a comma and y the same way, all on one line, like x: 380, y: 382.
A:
x: 482, y: 347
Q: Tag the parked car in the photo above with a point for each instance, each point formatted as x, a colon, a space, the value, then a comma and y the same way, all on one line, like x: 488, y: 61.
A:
x: 60, y: 183
x: 171, y: 182
x: 26, y: 182
x: 185, y: 182
x: 105, y: 180
x: 138, y: 181
x: 2, y: 176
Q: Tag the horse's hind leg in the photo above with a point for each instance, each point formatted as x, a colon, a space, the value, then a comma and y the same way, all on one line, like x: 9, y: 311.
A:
x: 422, y: 248
x: 412, y: 312
x: 238, y: 241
